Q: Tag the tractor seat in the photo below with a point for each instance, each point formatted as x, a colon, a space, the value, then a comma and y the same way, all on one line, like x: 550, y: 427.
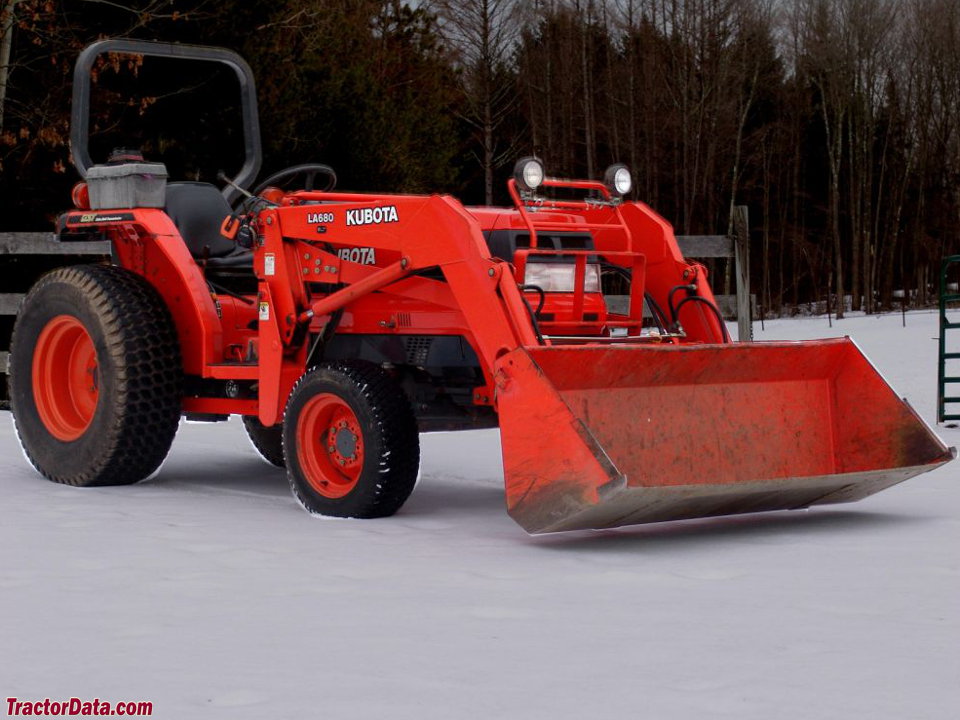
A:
x: 198, y: 210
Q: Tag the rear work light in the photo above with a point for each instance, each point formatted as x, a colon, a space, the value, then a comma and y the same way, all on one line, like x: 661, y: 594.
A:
x: 561, y: 277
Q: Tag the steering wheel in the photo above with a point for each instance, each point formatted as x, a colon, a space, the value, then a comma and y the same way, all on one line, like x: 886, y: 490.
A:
x: 309, y: 172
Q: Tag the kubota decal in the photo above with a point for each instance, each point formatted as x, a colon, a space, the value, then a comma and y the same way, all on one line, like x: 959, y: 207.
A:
x: 373, y: 216
x: 362, y: 255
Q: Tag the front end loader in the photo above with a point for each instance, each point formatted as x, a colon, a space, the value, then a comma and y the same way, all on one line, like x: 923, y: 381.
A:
x: 339, y: 325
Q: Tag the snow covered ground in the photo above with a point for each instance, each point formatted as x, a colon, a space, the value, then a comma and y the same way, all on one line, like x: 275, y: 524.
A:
x: 210, y: 593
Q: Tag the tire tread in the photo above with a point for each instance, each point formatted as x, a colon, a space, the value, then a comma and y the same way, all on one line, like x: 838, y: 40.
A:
x: 141, y: 339
x: 399, y: 460
x: 268, y: 441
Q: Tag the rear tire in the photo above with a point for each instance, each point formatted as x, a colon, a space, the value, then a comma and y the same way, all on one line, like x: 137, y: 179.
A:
x: 351, y: 442
x: 95, y: 376
x: 268, y: 441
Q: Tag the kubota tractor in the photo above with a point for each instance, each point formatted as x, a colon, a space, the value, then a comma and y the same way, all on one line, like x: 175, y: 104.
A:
x: 339, y: 325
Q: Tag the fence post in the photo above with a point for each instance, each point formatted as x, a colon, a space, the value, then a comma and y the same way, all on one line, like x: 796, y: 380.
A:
x: 741, y: 242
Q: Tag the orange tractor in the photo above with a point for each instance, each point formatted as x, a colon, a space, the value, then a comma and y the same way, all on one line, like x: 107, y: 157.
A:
x: 339, y: 325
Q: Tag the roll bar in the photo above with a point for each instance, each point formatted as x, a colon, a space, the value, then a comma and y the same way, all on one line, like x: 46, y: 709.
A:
x: 80, y: 112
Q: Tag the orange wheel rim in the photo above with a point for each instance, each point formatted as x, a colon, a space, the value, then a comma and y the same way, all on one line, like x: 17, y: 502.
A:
x: 330, y: 445
x: 65, y: 378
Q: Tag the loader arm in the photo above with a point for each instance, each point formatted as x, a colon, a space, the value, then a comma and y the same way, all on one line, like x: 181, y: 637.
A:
x: 414, y: 234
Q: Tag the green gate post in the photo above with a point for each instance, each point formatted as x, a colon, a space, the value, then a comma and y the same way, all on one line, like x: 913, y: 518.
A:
x: 942, y: 378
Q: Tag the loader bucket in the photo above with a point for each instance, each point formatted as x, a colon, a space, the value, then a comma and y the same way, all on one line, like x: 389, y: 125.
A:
x: 603, y: 436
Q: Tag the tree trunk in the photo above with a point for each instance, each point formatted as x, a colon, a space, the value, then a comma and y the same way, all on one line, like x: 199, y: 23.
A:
x: 835, y: 156
x: 6, y: 44
x: 488, y: 151
x: 837, y: 242
x: 854, y: 200
x: 589, y: 132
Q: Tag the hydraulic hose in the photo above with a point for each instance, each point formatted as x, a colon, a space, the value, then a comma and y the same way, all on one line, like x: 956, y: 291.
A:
x: 534, y: 316
x: 533, y: 321
x: 713, y: 309
x: 691, y: 290
x: 220, y: 290
x: 324, y: 336
x: 539, y: 290
x: 659, y: 316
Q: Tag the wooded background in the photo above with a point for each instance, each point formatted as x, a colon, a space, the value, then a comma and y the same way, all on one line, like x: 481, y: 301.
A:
x: 836, y: 122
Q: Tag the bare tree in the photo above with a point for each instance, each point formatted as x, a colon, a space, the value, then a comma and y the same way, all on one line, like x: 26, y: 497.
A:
x: 484, y: 34
x: 823, y: 64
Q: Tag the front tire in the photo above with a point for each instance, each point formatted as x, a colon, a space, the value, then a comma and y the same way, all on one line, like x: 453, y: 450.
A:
x: 267, y: 441
x: 95, y: 376
x: 350, y: 441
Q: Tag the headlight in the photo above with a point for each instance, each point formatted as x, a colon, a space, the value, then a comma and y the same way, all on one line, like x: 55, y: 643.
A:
x: 528, y: 172
x: 561, y: 277
x: 617, y: 178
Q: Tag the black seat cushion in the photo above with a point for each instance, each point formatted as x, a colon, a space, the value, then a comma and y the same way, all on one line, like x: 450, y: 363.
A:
x: 198, y: 210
